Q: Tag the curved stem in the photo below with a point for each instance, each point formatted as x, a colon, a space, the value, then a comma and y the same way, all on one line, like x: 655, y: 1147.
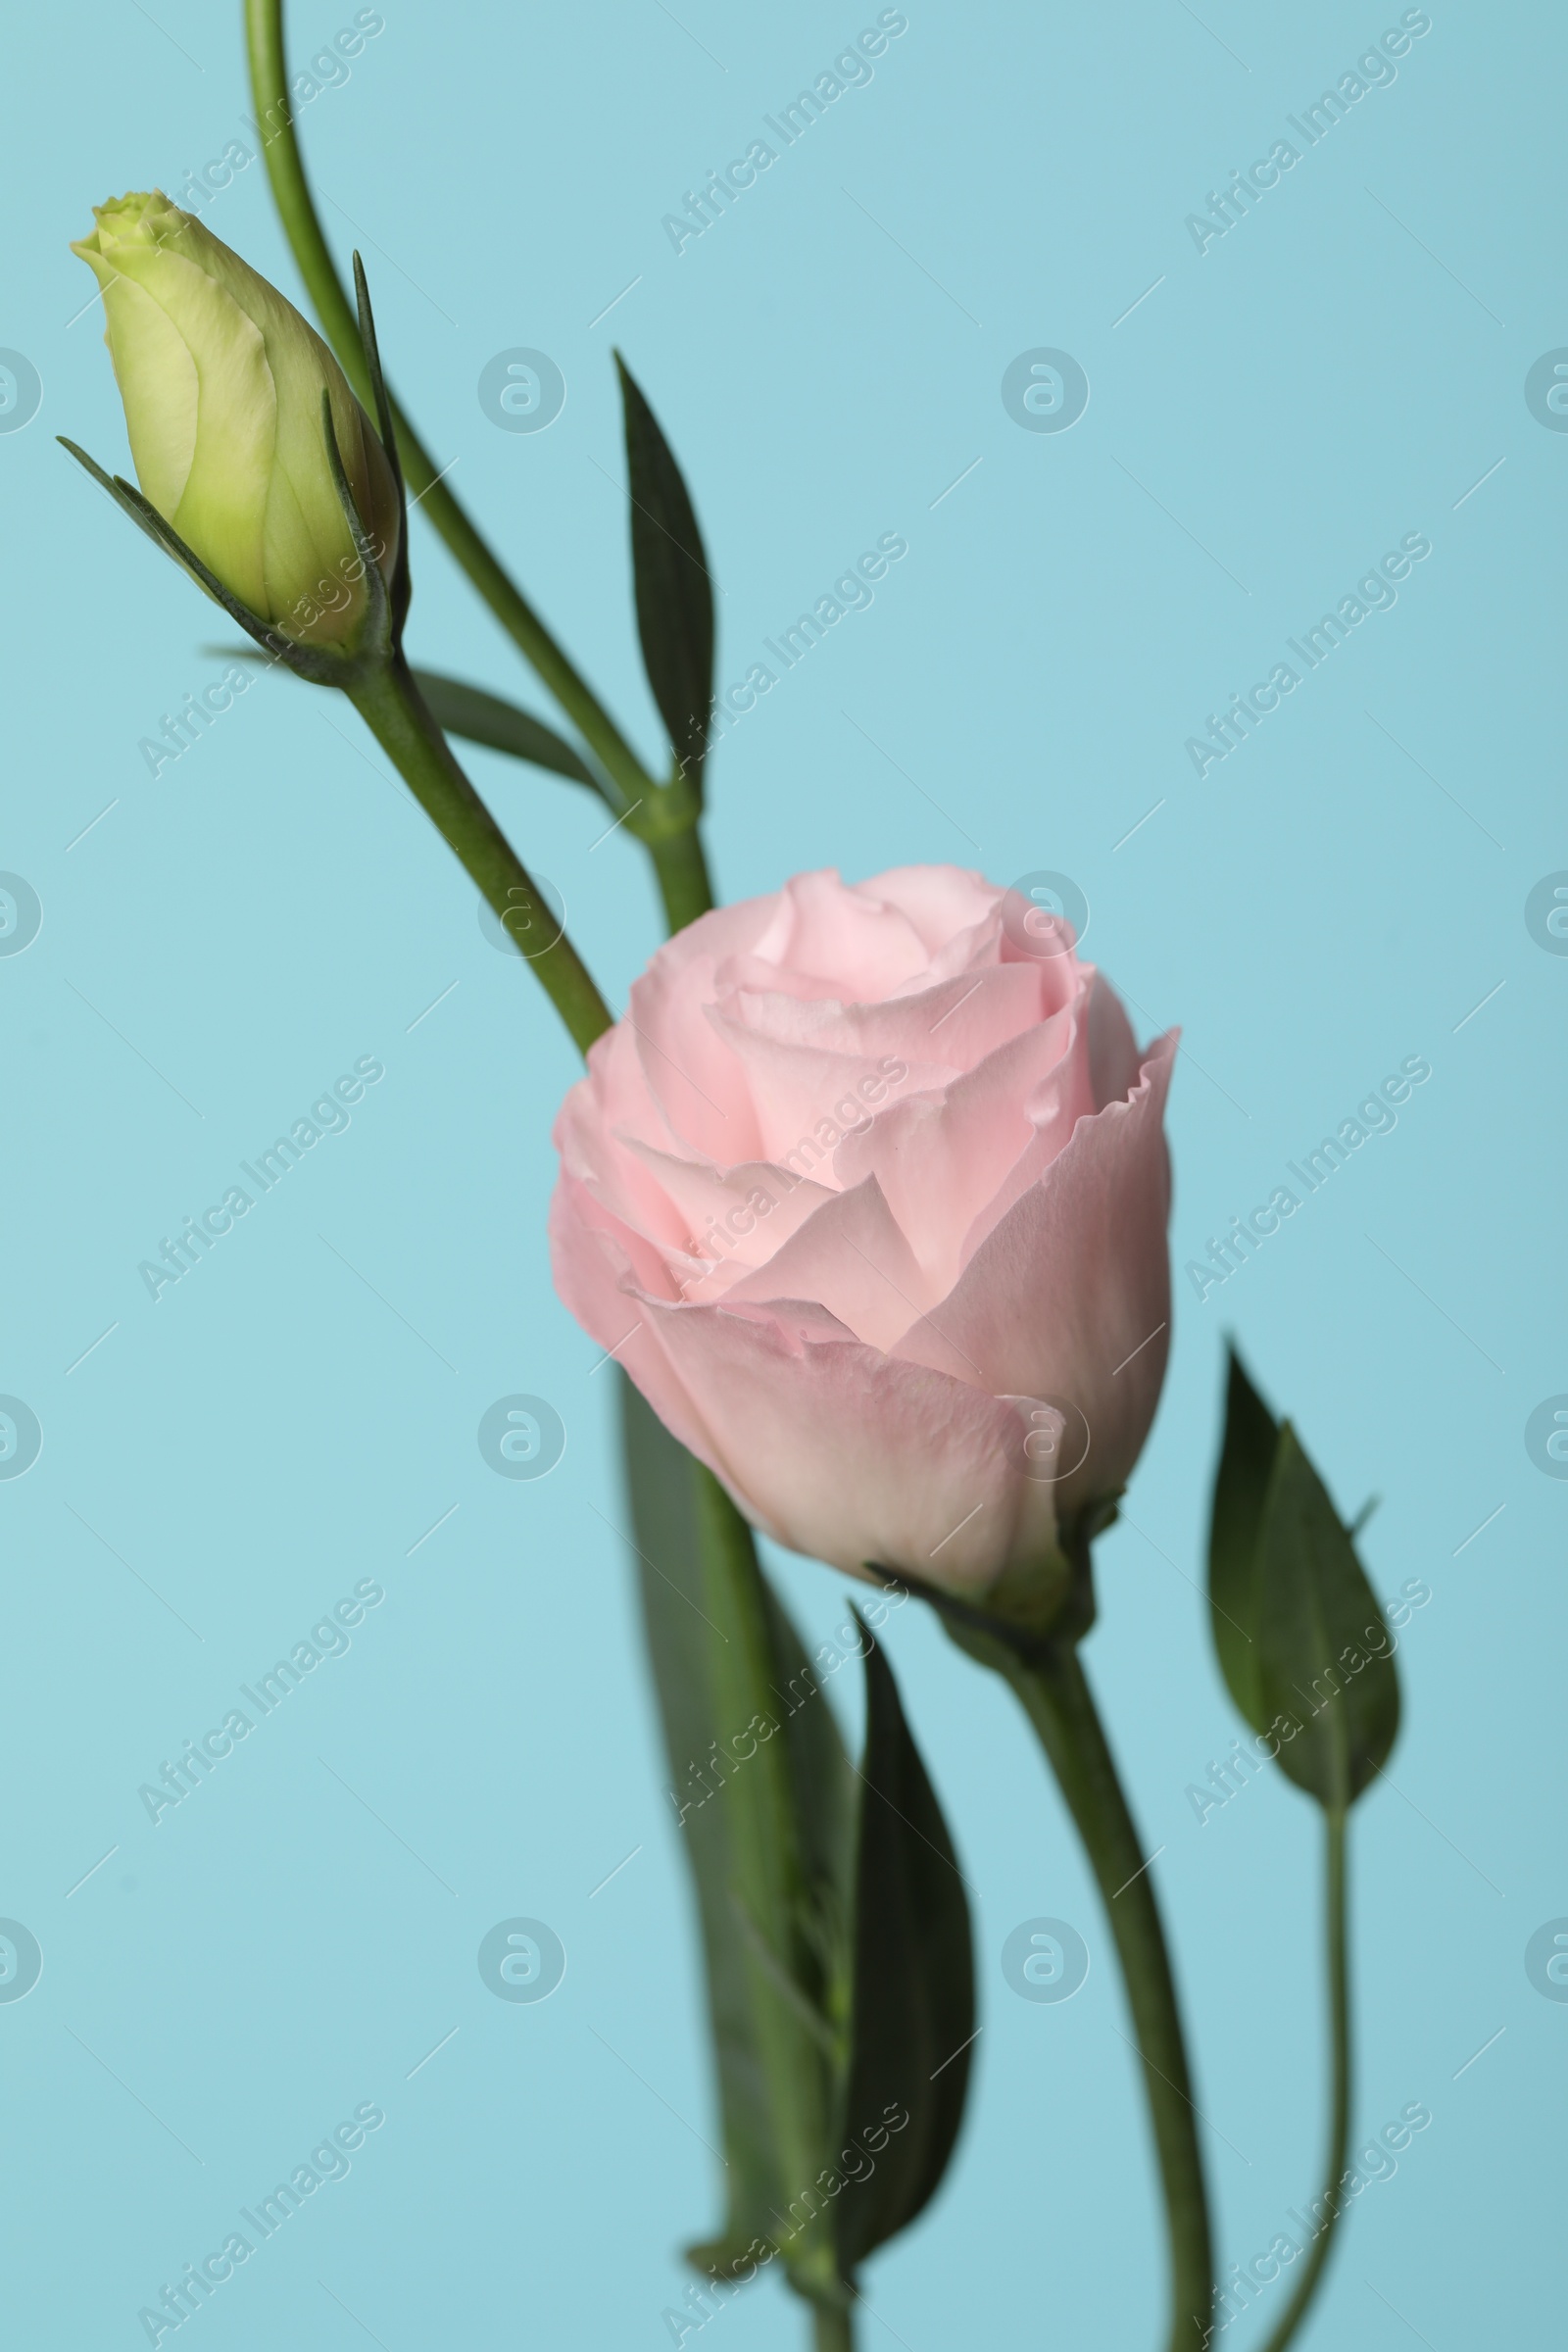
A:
x: 263, y: 29
x: 391, y: 707
x: 1337, y: 1926
x: 1056, y: 1694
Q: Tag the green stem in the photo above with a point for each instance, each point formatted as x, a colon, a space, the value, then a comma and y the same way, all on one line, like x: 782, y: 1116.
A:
x: 263, y: 27
x: 392, y: 707
x: 1056, y: 1694
x: 1337, y: 1924
x: 832, y: 2329
x: 770, y: 1877
x: 684, y: 883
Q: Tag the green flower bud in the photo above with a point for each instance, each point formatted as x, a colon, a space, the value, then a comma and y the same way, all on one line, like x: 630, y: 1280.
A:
x: 222, y: 381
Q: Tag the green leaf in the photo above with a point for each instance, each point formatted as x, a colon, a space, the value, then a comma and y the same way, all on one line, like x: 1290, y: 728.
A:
x: 463, y: 710
x: 1301, y: 1640
x: 823, y: 1780
x: 459, y: 708
x: 659, y: 1474
x: 680, y: 1634
x: 674, y: 592
x: 1235, y: 1560
x: 914, y: 1999
x: 1327, y: 1655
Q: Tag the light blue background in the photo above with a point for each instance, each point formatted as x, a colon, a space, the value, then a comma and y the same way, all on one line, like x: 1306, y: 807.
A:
x: 1337, y: 372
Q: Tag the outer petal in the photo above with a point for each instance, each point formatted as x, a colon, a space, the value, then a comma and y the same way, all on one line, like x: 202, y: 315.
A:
x: 1069, y: 1297
x: 1114, y: 1059
x: 689, y: 1069
x: 148, y: 350
x: 849, y: 1457
x: 597, y: 1282
x: 225, y: 493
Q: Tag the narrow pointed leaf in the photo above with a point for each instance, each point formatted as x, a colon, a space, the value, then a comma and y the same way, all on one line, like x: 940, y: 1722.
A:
x: 400, y: 585
x: 673, y: 590
x: 912, y: 2011
x: 141, y: 511
x: 378, y: 627
x: 1235, y: 1558
x: 463, y: 710
x: 1301, y: 1638
x: 1327, y: 1655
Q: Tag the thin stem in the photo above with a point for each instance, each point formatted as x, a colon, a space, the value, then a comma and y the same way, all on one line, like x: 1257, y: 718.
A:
x: 392, y: 707
x: 1057, y: 1696
x: 264, y: 26
x: 1337, y: 1928
x: 832, y: 2329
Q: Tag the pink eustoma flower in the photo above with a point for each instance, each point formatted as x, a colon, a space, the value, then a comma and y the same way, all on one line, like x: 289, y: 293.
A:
x: 868, y: 1194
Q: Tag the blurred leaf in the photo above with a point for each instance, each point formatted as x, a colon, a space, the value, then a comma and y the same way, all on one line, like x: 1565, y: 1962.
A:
x: 914, y: 1997
x: 662, y: 1482
x: 1301, y: 1640
x: 673, y: 590
x: 659, y: 1474
x: 823, y: 1780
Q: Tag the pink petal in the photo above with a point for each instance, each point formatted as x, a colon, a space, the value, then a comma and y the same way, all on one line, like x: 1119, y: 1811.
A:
x: 720, y: 1210
x: 850, y: 1259
x: 1069, y: 1297
x: 941, y: 901
x: 597, y: 1282
x: 952, y: 1025
x: 1114, y: 1058
x: 848, y: 1456
x: 689, y: 1069
x: 849, y: 937
x: 942, y: 1157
